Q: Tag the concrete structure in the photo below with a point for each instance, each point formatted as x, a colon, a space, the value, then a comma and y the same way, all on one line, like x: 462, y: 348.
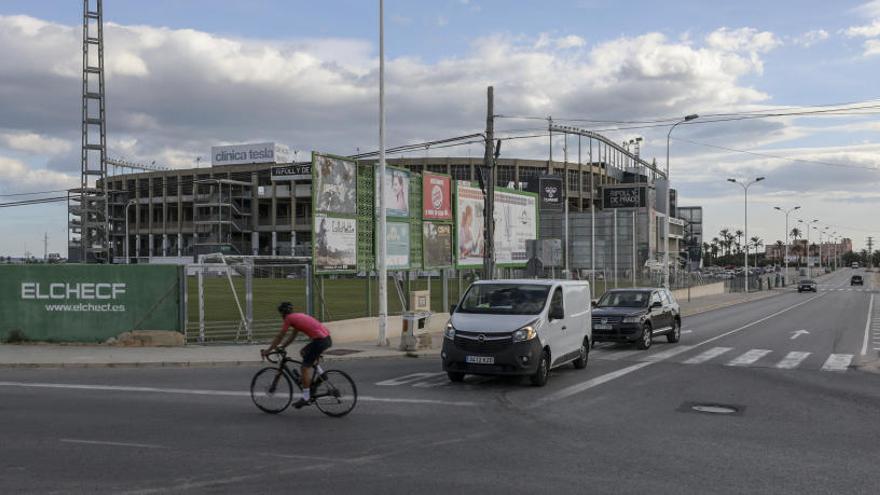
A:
x: 692, y: 244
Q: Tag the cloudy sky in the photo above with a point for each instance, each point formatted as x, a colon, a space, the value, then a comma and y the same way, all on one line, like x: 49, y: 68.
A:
x: 183, y: 75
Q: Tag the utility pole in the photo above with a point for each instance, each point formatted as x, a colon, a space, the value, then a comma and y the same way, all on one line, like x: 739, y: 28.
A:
x: 489, y: 184
x: 870, y: 253
x: 381, y: 267
x: 45, y: 246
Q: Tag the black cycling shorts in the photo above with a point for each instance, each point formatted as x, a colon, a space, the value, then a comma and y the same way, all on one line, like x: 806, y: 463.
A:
x: 313, y: 350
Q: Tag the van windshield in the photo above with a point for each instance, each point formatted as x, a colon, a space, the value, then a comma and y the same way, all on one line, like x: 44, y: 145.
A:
x: 505, y: 299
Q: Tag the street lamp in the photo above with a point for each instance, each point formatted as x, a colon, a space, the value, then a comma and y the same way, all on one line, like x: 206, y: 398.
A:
x: 687, y: 118
x: 807, y: 226
x: 785, y: 256
x: 746, y: 186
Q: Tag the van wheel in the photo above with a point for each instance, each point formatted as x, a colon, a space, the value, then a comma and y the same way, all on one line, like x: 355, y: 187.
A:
x: 674, y: 335
x: 455, y: 376
x: 539, y: 379
x: 646, y: 338
x: 581, y: 362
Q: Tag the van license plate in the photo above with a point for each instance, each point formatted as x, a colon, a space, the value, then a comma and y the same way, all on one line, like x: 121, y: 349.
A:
x: 599, y: 326
x: 479, y: 359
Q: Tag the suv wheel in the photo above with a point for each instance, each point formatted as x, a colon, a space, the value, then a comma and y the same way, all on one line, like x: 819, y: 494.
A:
x: 455, y: 376
x: 646, y: 338
x: 581, y: 362
x: 539, y: 379
x: 674, y: 335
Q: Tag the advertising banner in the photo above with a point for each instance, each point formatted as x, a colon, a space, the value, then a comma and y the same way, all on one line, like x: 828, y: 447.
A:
x: 437, y: 244
x: 397, y: 242
x: 87, y: 303
x: 396, y: 192
x: 241, y: 154
x: 470, y: 242
x: 550, y: 191
x: 436, y: 198
x: 334, y: 184
x: 624, y: 197
x: 515, y: 223
x: 335, y: 244
x: 295, y: 171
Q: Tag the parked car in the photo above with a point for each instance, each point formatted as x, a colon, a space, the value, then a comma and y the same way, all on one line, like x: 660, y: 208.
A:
x: 636, y: 316
x: 807, y: 285
x: 518, y: 327
x: 856, y: 280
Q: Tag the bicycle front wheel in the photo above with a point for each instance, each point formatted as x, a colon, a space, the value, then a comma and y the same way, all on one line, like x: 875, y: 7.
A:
x: 271, y: 390
x: 336, y: 394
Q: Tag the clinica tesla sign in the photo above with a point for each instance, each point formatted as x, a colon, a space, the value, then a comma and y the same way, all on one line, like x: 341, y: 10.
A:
x: 85, y: 291
x: 240, y: 154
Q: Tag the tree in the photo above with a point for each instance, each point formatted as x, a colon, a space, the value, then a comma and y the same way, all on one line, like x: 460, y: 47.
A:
x: 780, y: 248
x: 756, y: 242
x: 724, y: 234
x: 739, y: 234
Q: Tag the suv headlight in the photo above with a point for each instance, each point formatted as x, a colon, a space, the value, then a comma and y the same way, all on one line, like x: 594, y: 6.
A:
x: 632, y: 319
x: 449, y: 333
x: 525, y: 333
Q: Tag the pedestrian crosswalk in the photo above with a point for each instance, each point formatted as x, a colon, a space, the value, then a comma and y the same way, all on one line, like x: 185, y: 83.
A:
x: 839, y: 289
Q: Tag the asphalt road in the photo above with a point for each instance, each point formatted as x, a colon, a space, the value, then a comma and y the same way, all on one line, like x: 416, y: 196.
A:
x: 806, y: 420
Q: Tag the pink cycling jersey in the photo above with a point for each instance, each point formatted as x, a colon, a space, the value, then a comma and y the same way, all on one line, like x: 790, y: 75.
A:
x: 305, y: 324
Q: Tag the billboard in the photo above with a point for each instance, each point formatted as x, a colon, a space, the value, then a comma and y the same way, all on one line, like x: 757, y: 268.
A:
x: 397, y: 245
x: 515, y: 223
x: 241, y: 154
x: 550, y: 192
x: 335, y: 244
x: 470, y: 241
x: 624, y: 197
x: 396, y: 192
x: 436, y: 198
x: 295, y: 171
x: 334, y: 184
x: 437, y: 244
x: 88, y: 303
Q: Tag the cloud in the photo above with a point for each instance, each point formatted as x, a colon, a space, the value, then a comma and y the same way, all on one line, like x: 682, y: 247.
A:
x: 30, y: 142
x: 742, y: 40
x: 872, y: 47
x: 870, y: 9
x: 811, y: 38
x: 865, y: 31
x: 17, y: 173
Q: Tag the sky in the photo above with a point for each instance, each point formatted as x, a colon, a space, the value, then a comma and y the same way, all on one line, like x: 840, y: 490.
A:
x: 183, y: 75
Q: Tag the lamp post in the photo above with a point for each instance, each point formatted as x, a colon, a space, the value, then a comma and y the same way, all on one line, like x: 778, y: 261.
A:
x: 785, y: 256
x: 668, y: 212
x: 807, y: 226
x: 130, y: 202
x: 746, y: 186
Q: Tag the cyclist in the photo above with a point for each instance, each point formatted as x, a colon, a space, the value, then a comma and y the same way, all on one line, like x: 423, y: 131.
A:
x: 315, y: 330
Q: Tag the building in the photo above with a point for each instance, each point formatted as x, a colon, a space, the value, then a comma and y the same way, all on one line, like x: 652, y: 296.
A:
x: 797, y: 251
x: 238, y: 208
x: 692, y: 244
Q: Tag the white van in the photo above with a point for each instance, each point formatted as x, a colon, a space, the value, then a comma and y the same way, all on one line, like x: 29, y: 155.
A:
x: 518, y: 327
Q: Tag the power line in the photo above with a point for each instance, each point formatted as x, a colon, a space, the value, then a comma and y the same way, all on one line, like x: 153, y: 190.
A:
x: 33, y: 193
x: 28, y: 202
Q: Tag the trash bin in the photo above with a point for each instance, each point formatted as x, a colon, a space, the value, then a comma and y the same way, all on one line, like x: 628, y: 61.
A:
x: 415, y: 323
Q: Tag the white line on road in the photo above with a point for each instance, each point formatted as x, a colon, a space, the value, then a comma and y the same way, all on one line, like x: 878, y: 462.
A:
x: 111, y: 444
x: 868, y: 325
x: 660, y: 356
x: 749, y: 357
x: 706, y: 356
x: 222, y: 393
x: 792, y: 360
x: 411, y: 378
x: 593, y: 382
x: 837, y: 362
x: 683, y: 332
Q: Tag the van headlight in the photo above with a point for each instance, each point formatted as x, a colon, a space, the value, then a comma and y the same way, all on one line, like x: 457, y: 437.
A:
x: 449, y: 333
x: 525, y: 333
x: 632, y: 319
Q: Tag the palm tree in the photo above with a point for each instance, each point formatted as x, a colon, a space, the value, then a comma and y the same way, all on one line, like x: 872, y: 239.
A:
x: 797, y: 234
x: 725, y: 234
x: 739, y: 234
x: 780, y: 248
x: 756, y: 242
x: 707, y: 251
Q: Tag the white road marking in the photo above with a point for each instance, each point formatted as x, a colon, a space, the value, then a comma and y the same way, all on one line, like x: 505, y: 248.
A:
x: 411, y: 378
x: 750, y: 357
x: 674, y: 351
x: 707, y: 355
x: 221, y: 393
x: 837, y: 362
x: 798, y: 333
x: 686, y: 331
x: 111, y: 444
x: 868, y: 325
x: 792, y: 360
x: 437, y: 381
x: 599, y: 380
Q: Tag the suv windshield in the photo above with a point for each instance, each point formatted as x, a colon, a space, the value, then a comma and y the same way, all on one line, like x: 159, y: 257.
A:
x: 505, y: 299
x: 626, y: 298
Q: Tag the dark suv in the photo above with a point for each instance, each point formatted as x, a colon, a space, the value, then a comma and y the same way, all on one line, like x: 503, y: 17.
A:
x: 856, y: 280
x: 636, y: 315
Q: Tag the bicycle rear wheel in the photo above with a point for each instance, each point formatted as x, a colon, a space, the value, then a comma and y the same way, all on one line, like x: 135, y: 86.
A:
x: 271, y: 390
x: 336, y: 394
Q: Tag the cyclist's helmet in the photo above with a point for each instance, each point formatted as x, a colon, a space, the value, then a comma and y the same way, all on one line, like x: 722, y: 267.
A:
x: 285, y: 308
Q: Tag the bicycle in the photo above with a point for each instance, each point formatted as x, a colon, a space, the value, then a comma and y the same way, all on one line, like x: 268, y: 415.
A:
x: 332, y: 391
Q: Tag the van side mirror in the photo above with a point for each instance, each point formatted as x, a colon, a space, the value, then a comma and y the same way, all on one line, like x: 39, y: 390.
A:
x: 452, y: 308
x: 594, y: 303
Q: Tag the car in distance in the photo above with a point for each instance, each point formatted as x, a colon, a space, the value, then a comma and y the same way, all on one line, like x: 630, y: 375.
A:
x: 518, y: 327
x: 636, y: 316
x: 856, y: 280
x: 807, y: 285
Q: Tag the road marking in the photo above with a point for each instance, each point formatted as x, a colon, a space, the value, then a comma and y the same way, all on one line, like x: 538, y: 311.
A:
x: 792, y: 360
x: 749, y: 357
x: 837, y: 362
x: 798, y: 333
x: 868, y: 325
x: 707, y: 355
x: 674, y: 351
x: 111, y: 444
x: 599, y: 380
x: 686, y: 331
x: 433, y: 382
x: 219, y: 393
x: 411, y: 378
